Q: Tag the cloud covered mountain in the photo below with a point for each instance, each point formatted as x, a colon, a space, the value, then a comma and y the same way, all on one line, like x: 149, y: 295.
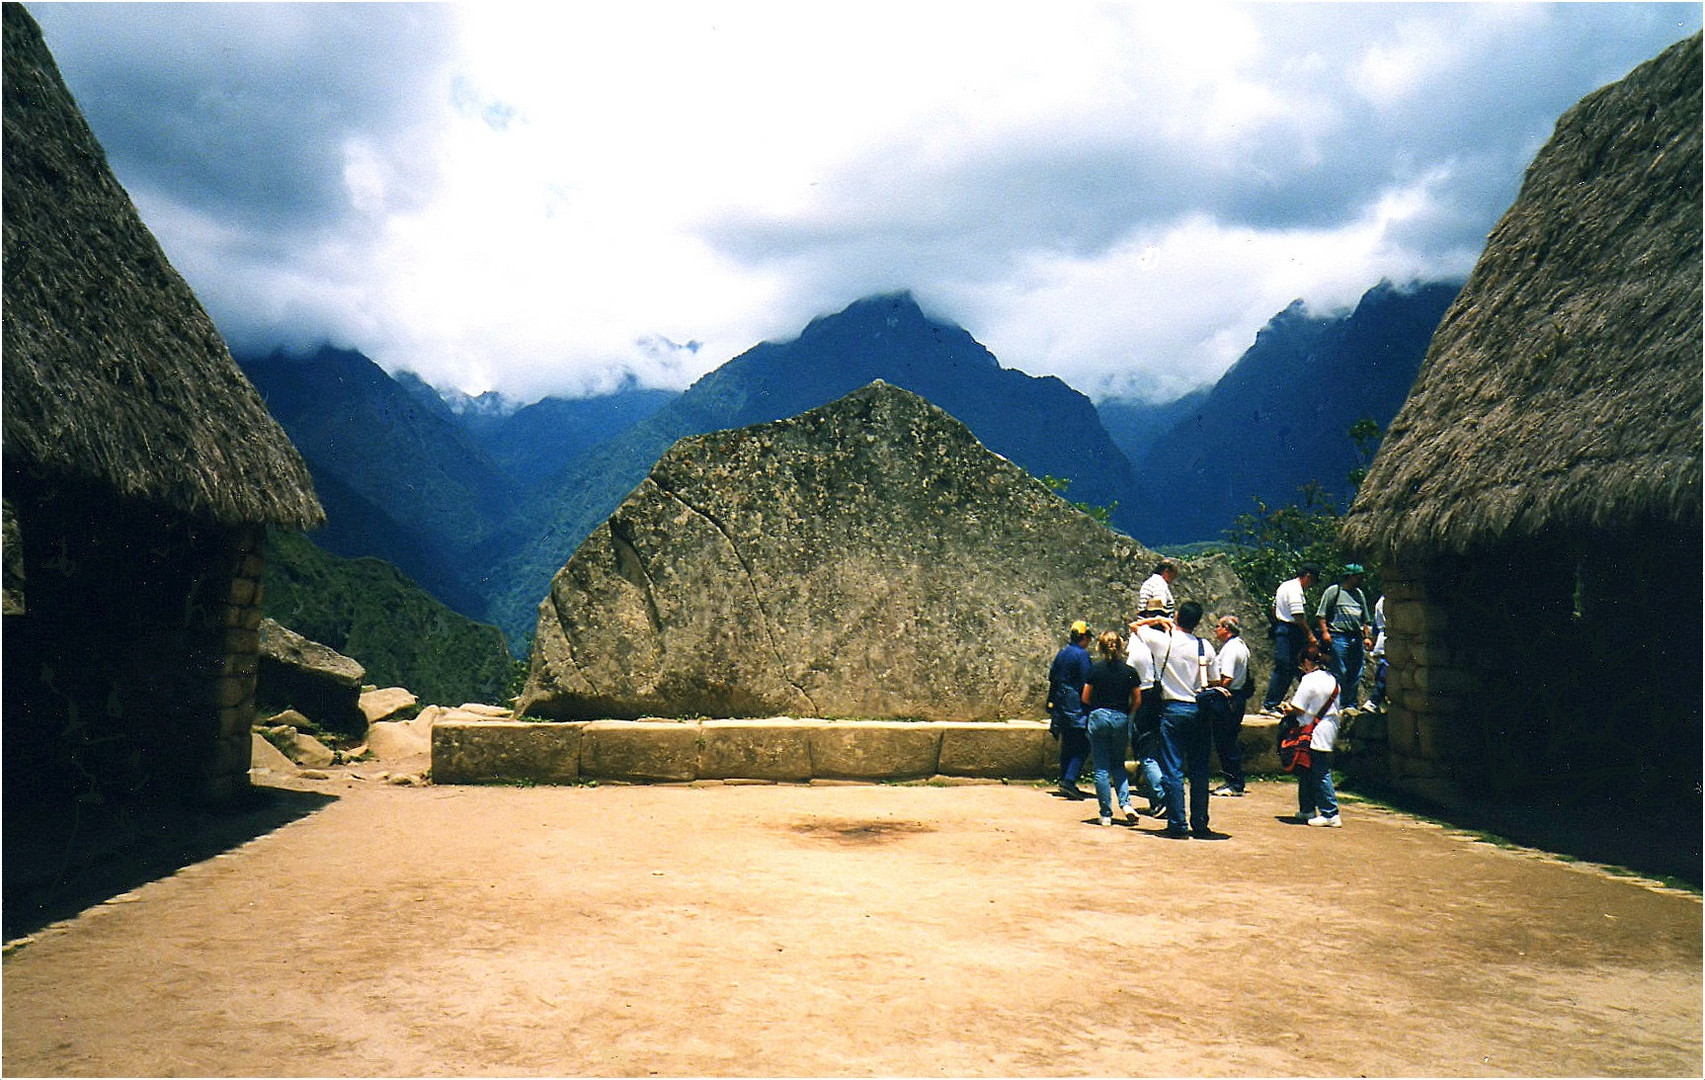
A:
x: 1280, y: 417
x: 481, y: 502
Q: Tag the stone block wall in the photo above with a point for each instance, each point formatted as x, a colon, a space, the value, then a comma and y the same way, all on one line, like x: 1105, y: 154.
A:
x: 243, y: 560
x: 1421, y: 659
x: 1499, y: 664
x: 780, y: 750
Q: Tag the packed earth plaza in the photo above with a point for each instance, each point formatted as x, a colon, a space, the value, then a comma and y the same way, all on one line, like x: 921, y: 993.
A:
x: 978, y: 928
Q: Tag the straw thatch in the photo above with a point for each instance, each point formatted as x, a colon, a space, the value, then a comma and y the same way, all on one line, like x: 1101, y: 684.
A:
x: 1562, y: 390
x: 114, y: 375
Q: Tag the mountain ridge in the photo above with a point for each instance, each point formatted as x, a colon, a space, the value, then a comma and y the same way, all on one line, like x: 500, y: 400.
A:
x: 1039, y: 423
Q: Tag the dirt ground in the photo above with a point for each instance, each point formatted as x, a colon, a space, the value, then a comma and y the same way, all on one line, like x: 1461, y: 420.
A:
x: 843, y: 930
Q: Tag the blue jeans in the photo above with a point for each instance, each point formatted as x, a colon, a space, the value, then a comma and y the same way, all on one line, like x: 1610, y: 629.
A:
x: 1347, y: 665
x: 1185, y: 744
x: 1149, y: 771
x: 1074, y: 751
x: 1288, y: 642
x: 1109, y: 735
x: 1314, y: 787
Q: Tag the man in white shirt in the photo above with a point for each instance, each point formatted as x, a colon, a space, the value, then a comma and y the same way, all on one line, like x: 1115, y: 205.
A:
x: 1231, y: 670
x: 1291, y: 635
x: 1185, y: 742
x: 1156, y: 592
x: 1145, y: 653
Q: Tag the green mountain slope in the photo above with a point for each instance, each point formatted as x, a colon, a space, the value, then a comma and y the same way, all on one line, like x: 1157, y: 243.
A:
x: 367, y: 610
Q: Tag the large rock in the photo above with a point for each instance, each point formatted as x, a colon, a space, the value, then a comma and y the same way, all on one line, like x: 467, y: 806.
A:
x: 386, y: 703
x: 865, y: 559
x: 304, y: 675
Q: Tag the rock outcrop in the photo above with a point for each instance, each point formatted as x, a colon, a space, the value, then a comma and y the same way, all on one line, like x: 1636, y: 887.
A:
x: 868, y: 558
x: 304, y: 675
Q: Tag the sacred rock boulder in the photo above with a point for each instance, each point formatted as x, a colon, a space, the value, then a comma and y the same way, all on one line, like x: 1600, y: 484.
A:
x: 865, y: 559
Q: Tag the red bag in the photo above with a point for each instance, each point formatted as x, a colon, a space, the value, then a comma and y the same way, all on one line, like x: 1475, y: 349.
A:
x: 1293, y: 745
x: 1294, y: 738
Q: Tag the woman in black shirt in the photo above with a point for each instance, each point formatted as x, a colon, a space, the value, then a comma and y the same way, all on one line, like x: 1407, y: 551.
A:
x: 1112, y: 694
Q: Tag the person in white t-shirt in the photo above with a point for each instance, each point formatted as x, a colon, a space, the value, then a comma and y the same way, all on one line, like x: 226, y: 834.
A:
x: 1185, y: 742
x: 1316, y: 702
x: 1146, y: 652
x: 1156, y: 592
x: 1291, y: 635
x: 1231, y: 670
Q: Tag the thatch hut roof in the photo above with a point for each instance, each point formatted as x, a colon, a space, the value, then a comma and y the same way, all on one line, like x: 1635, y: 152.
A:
x: 113, y: 373
x: 1562, y: 389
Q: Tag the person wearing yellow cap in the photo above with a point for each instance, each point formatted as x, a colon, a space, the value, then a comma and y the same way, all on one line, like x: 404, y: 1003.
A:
x: 1068, y: 717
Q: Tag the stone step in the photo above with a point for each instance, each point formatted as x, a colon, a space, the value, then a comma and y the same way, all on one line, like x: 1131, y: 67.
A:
x: 466, y: 750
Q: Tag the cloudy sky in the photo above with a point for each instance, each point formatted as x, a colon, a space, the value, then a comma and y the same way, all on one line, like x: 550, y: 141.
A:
x: 551, y: 198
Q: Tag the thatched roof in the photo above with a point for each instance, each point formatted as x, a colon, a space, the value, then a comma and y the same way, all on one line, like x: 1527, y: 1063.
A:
x: 1562, y: 389
x: 113, y: 372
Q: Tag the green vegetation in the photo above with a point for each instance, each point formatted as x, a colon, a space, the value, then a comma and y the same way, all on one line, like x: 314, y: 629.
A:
x: 367, y: 610
x: 1366, y: 434
x: 1268, y: 545
x: 1104, y: 514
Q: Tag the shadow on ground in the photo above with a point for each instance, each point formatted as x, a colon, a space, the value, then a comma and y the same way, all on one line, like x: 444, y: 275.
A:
x: 1660, y: 841
x: 60, y: 859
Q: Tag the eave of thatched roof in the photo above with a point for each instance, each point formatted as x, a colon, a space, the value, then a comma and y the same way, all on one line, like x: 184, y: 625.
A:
x: 113, y: 373
x: 1562, y: 389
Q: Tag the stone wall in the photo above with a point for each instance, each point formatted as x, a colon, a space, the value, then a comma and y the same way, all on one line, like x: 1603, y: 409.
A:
x: 129, y: 663
x: 773, y: 750
x: 234, y: 693
x: 1553, y: 670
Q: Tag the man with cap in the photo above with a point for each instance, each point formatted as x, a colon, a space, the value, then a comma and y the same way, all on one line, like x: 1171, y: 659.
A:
x: 1068, y: 718
x: 1345, y: 635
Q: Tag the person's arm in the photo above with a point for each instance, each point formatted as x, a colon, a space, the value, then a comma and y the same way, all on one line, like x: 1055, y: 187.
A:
x: 1136, y: 698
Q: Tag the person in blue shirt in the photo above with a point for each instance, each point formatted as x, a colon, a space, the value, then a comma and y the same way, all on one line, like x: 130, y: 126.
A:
x: 1068, y: 718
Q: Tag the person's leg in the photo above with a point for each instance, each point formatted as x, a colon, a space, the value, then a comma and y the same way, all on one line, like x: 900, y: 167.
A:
x: 1284, y: 666
x: 1306, y: 797
x: 1074, y: 750
x: 1101, y: 754
x: 1326, y: 799
x: 1119, y: 741
x: 1352, y: 663
x: 1156, y: 784
x: 1336, y: 655
x: 1226, y: 735
x: 1198, y: 764
x: 1377, y: 700
x: 1172, y: 750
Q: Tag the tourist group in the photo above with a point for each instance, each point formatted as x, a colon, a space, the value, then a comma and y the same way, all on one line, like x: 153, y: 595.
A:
x: 1170, y: 697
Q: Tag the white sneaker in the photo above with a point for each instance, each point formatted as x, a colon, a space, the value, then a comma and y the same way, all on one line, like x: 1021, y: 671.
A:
x: 1131, y: 815
x: 1321, y: 821
x: 1106, y: 821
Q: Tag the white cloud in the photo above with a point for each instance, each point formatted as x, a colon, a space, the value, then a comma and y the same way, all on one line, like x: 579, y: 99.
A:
x: 547, y: 198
